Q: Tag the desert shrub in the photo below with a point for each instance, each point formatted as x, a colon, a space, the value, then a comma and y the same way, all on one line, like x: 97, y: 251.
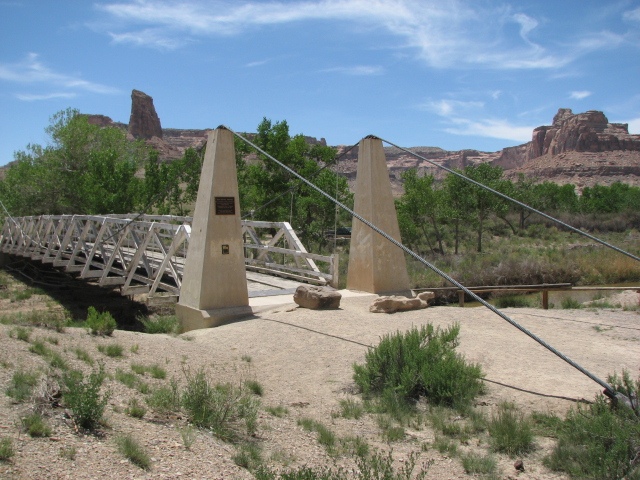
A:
x: 420, y: 362
x: 510, y: 431
x: 82, y: 396
x: 254, y: 387
x: 6, y: 449
x: 113, y: 350
x: 188, y: 435
x: 349, y: 408
x: 277, y: 411
x: 22, y: 384
x: 83, y: 355
x: 100, y: 323
x: 21, y: 333
x: 569, y: 303
x: 35, y: 425
x: 601, y: 440
x: 161, y: 324
x: 370, y: 466
x: 165, y: 399
x: 220, y: 408
x: 134, y: 409
x: 248, y: 455
x: 133, y: 451
x: 512, y: 301
x: 482, y: 464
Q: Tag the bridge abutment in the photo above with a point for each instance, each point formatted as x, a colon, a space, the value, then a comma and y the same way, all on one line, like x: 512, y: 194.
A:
x: 375, y: 264
x: 214, y: 283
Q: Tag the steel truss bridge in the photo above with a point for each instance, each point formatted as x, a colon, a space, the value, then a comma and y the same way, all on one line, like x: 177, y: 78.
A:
x: 145, y: 254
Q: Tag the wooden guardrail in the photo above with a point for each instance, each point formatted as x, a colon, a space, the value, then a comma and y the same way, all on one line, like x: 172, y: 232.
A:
x: 545, y: 288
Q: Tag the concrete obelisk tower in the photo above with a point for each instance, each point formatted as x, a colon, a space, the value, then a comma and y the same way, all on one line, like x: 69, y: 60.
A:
x: 214, y: 282
x: 375, y: 264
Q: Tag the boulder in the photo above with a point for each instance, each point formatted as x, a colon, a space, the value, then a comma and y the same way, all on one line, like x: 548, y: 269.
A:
x: 396, y: 303
x: 315, y: 298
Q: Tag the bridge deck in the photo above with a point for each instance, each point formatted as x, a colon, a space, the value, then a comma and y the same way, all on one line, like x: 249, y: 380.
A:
x: 146, y: 254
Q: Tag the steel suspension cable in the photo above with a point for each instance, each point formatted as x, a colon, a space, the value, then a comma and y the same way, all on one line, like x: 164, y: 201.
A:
x: 294, y: 187
x: 608, y: 388
x: 513, y: 200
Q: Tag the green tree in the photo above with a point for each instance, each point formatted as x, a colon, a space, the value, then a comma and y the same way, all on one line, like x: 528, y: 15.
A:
x: 85, y: 169
x: 421, y: 204
x: 268, y: 192
x: 483, y: 203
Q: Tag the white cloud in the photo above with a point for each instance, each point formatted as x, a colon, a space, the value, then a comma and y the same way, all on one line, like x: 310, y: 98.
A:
x: 579, y: 95
x: 444, y: 34
x: 32, y: 71
x: 450, y: 108
x: 28, y: 97
x: 148, y: 37
x: 257, y: 63
x: 632, y: 15
x: 357, y: 70
x: 634, y: 126
x: 491, y: 128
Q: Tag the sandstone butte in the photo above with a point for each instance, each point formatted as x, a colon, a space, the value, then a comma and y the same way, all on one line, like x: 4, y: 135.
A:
x: 583, y: 149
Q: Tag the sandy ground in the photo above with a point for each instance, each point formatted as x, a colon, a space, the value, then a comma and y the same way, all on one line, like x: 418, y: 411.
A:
x: 304, y: 359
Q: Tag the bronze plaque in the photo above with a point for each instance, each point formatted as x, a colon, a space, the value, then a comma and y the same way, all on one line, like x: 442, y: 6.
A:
x: 225, y: 205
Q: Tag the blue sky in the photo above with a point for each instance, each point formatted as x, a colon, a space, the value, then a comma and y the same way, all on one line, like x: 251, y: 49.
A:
x: 453, y: 74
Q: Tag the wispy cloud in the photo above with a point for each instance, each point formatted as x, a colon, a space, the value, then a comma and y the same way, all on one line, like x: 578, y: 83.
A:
x: 450, y: 108
x: 455, y: 33
x: 28, y: 97
x: 491, y: 128
x: 632, y: 15
x: 257, y: 63
x: 579, y: 95
x: 32, y: 71
x: 357, y: 70
x: 465, y: 118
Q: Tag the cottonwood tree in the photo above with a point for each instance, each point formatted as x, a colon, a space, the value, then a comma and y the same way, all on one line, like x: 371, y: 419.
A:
x: 86, y: 169
x: 268, y: 192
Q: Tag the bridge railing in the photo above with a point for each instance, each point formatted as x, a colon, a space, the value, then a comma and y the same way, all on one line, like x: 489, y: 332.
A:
x: 146, y: 253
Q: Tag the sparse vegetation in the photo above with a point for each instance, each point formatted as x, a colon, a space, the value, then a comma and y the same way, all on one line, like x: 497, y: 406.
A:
x: 350, y: 408
x: 254, y: 387
x: 510, y: 431
x: 220, y: 408
x: 161, y: 324
x: 113, y: 350
x: 83, y: 355
x: 7, y: 449
x: 248, y: 455
x: 22, y: 385
x: 100, y: 323
x: 479, y: 464
x: 134, y: 409
x: 82, y: 396
x: 133, y: 451
x: 600, y: 440
x: 35, y: 425
x: 420, y: 362
x: 188, y: 435
x: 277, y: 411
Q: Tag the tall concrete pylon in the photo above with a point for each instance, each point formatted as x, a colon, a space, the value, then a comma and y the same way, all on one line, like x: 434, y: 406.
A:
x: 375, y: 264
x: 214, y: 282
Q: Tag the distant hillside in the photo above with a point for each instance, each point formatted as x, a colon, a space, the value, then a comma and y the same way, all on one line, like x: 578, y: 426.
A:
x: 583, y: 149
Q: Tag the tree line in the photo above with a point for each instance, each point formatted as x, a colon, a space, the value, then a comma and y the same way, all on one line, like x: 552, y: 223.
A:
x: 435, y: 216
x: 87, y: 169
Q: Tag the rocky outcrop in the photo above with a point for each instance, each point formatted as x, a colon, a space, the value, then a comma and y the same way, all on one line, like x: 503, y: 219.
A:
x: 582, y: 132
x: 144, y: 122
